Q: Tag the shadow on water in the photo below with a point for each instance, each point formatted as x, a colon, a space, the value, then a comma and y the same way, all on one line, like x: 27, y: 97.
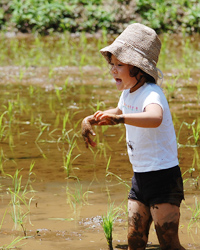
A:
x: 53, y: 190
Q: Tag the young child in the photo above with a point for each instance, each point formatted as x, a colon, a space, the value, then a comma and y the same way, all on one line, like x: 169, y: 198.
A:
x: 157, y: 186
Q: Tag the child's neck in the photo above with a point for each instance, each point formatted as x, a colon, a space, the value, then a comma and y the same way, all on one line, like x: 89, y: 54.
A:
x: 137, y: 85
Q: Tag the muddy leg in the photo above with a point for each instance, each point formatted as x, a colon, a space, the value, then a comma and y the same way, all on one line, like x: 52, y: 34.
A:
x: 166, y: 218
x: 139, y: 221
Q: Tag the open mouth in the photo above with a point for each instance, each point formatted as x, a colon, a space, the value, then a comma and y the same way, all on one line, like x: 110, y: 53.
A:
x: 118, y: 80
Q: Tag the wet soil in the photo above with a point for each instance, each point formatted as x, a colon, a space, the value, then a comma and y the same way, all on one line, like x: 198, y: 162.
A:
x: 66, y: 209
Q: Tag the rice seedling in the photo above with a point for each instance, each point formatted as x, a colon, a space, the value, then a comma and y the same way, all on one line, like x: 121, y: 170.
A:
x: 14, y: 244
x: 2, y: 125
x: 66, y: 83
x: 97, y: 106
x: 170, y: 87
x: 68, y: 159
x: 76, y: 197
x: 101, y: 147
x: 107, y: 224
x: 50, y: 72
x: 3, y: 219
x: 195, y: 219
x: 6, y: 126
x: 31, y: 91
x: 42, y: 126
x: 21, y: 74
x: 19, y: 197
x: 58, y: 90
x: 110, y: 174
x: 196, y: 130
x: 196, y: 159
x: 65, y: 133
x: 163, y: 53
x: 195, y: 133
x: 2, y: 160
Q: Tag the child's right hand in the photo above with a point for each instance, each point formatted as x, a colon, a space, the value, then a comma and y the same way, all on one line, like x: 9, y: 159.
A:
x: 87, y: 130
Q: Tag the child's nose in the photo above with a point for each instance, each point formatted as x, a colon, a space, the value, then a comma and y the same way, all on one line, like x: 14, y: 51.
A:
x: 113, y: 69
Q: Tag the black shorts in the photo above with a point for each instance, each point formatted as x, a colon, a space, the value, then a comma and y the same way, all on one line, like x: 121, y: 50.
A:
x: 156, y: 187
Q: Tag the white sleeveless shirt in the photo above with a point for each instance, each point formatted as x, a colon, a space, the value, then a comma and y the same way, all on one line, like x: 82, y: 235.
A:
x: 149, y: 149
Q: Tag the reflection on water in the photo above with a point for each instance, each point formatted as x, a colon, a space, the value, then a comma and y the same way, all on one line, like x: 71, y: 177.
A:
x: 41, y: 110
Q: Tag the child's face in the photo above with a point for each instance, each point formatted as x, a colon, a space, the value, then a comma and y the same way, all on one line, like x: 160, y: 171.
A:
x: 121, y: 74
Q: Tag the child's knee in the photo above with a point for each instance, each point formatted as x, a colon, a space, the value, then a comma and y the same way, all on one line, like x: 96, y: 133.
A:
x: 168, y: 236
x: 136, y: 240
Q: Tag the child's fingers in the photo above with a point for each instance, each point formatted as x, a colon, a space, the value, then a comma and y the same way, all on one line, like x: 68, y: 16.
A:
x: 98, y: 115
x: 91, y: 131
x: 104, y: 122
x: 88, y: 141
x: 92, y: 143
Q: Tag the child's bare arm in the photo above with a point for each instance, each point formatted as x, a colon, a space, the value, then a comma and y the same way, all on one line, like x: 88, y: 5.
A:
x: 150, y: 118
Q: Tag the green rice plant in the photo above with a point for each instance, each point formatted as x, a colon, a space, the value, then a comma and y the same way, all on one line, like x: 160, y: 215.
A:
x: 65, y: 133
x: 94, y: 153
x: 31, y: 91
x: 42, y: 126
x: 50, y: 72
x: 102, y: 146
x: 170, y: 87
x: 107, y: 224
x: 110, y: 174
x: 10, y: 113
x: 2, y: 160
x: 164, y: 52
x: 68, y: 158
x: 3, y: 219
x: 198, y: 92
x: 58, y: 94
x: 196, y: 159
x: 97, y: 106
x: 65, y: 136
x: 13, y: 244
x: 2, y: 125
x: 196, y: 131
x: 178, y: 134
x: 123, y: 134
x: 76, y: 197
x: 195, y: 214
x: 187, y: 55
x: 66, y: 84
x: 19, y: 197
x: 21, y: 74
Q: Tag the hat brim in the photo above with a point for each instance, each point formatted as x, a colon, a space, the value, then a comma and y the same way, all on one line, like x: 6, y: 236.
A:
x: 126, y: 54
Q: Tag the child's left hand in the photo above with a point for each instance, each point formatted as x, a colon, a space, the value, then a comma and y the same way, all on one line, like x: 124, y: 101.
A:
x: 108, y: 119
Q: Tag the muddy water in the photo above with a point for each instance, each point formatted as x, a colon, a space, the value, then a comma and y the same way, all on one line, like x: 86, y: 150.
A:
x: 65, y: 206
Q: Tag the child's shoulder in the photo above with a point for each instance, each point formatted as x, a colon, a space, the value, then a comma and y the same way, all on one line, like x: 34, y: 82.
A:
x: 152, y: 87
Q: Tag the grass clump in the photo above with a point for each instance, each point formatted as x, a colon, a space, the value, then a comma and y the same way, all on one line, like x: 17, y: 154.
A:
x: 46, y: 16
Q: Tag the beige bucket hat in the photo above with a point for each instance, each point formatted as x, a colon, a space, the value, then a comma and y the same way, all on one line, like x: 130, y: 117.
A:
x: 137, y: 45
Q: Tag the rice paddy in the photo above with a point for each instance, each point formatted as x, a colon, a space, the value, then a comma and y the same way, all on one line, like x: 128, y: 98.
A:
x: 55, y: 193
